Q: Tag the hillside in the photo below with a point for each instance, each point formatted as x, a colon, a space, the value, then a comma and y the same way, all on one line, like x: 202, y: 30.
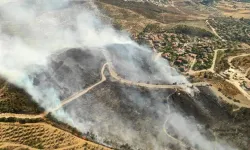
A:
x: 16, y: 100
x: 23, y: 126
x: 108, y: 102
x: 125, y: 74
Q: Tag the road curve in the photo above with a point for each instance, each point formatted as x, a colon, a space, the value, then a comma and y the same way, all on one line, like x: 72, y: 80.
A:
x: 211, y: 69
x: 79, y: 94
x: 235, y: 82
x: 103, y: 78
x: 173, y: 138
x: 158, y: 86
x: 123, y: 81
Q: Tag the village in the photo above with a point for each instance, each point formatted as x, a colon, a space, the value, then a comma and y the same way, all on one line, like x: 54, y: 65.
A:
x: 194, y: 54
x: 183, y: 51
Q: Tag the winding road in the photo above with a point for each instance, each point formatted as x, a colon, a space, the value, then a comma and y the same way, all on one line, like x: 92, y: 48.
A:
x: 123, y: 81
x: 211, y: 69
x: 103, y: 78
x: 79, y: 94
x: 231, y: 79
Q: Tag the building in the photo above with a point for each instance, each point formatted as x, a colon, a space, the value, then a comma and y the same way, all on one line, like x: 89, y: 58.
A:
x: 247, y: 85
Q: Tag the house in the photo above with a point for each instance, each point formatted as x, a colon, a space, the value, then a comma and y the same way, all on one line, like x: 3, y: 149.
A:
x: 166, y: 55
x: 247, y: 85
x: 180, y: 51
x: 161, y: 37
x: 199, y: 60
x: 178, y: 61
x: 205, y: 60
x: 193, y: 55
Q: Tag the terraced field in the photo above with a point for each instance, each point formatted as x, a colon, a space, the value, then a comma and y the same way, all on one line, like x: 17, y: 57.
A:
x: 41, y: 136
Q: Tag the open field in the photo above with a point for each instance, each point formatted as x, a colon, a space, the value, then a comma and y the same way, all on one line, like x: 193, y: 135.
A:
x: 234, y: 9
x: 134, y: 17
x: 126, y: 19
x: 230, y: 93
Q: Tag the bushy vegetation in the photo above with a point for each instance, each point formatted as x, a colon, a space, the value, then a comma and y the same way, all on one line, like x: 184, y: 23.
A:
x: 59, y: 124
x: 20, y: 120
x: 232, y: 29
x: 152, y: 28
x: 192, y: 31
x: 241, y: 63
x: 16, y: 100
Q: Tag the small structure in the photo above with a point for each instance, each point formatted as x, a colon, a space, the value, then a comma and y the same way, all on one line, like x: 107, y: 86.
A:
x: 247, y: 85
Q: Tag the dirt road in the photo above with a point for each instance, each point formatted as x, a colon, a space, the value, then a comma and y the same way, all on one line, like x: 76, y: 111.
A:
x: 213, y: 29
x: 211, y: 69
x: 79, y: 94
x: 173, y: 138
x: 20, y: 116
x: 103, y: 78
x: 5, y: 145
x: 235, y: 82
x: 125, y: 81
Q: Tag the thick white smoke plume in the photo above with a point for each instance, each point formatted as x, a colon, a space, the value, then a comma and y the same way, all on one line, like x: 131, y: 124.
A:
x: 31, y: 31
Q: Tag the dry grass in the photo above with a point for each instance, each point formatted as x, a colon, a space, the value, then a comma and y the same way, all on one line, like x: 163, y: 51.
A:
x: 230, y: 91
x: 135, y: 19
x: 129, y: 20
x: 242, y: 63
x: 226, y: 88
x: 42, y: 136
x: 235, y: 9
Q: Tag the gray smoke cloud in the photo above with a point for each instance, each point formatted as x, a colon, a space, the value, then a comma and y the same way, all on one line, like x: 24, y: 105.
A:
x: 34, y: 32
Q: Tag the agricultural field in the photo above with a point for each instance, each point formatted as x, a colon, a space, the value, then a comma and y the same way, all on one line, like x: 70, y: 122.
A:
x: 42, y: 136
x: 134, y: 17
x: 234, y: 9
x: 23, y: 126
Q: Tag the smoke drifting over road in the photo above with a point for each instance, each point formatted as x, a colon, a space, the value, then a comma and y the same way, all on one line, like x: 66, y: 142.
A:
x: 34, y: 41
